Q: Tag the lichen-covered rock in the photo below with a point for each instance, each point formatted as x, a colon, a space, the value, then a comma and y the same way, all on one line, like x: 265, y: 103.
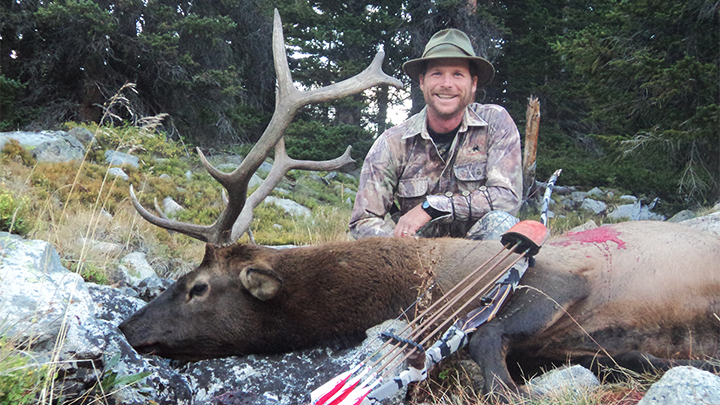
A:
x: 684, y: 385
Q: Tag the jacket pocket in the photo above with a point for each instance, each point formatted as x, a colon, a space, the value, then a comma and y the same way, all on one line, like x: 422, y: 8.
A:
x: 471, y: 172
x: 412, y: 188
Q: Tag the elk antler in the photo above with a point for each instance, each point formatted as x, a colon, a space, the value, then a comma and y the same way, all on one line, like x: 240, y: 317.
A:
x: 236, y: 217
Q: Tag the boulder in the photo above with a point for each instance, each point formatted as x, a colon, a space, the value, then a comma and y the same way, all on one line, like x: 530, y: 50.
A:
x: 115, y: 158
x: 47, y: 146
x: 84, y: 135
x: 172, y: 209
x: 709, y: 223
x: 40, y: 298
x: 118, y: 172
x: 684, y: 385
x: 563, y: 381
x: 594, y: 206
x: 290, y: 206
x: 138, y: 267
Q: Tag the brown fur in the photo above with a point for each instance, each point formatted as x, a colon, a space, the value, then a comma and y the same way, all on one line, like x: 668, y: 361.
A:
x: 643, y: 286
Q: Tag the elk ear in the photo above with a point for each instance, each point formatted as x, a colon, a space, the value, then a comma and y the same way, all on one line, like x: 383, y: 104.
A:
x: 261, y: 283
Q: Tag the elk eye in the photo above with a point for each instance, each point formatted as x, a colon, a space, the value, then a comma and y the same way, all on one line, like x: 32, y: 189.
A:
x: 198, y: 289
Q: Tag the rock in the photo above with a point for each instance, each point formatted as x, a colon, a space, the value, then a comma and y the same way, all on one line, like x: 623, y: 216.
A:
x: 101, y: 247
x: 188, y: 175
x: 564, y: 380
x: 165, y: 176
x: 84, y: 135
x: 585, y: 227
x: 709, y: 223
x: 47, y: 146
x: 330, y: 176
x: 682, y: 216
x: 626, y: 211
x: 594, y: 206
x: 118, y: 172
x: 285, y: 379
x: 578, y: 197
x: 684, y: 385
x: 151, y: 287
x: 138, y: 267
x: 227, y: 167
x: 119, y: 275
x: 596, y: 192
x: 631, y: 198
x: 290, y: 206
x: 39, y: 297
x: 113, y: 305
x: 264, y: 169
x: 171, y: 208
x: 115, y: 158
x: 255, y: 180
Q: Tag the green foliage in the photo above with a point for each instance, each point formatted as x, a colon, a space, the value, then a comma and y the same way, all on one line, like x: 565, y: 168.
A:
x: 11, y: 115
x: 13, y: 150
x: 649, y: 82
x: 13, y: 214
x: 20, y: 379
x: 312, y: 140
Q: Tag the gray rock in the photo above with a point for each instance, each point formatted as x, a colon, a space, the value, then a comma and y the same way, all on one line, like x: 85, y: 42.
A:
x: 119, y: 275
x: 626, y: 211
x: 227, y: 167
x: 684, y: 385
x: 562, y: 381
x: 138, y: 267
x: 171, y: 208
x: 290, y: 206
x: 585, y: 227
x: 151, y: 287
x: 84, y: 135
x: 100, y: 247
x: 264, y: 169
x: 594, y: 206
x: 255, y: 180
x: 47, y: 146
x: 188, y: 175
x: 118, y: 172
x: 682, y: 216
x: 631, y: 198
x: 285, y: 379
x: 115, y: 158
x: 39, y: 297
x: 165, y: 176
x: 709, y: 223
x: 596, y: 192
x: 578, y: 196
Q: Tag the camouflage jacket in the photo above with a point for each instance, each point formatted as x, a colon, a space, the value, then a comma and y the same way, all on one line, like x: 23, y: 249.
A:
x: 483, y: 172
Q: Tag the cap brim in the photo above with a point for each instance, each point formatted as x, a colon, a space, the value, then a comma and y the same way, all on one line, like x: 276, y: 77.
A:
x: 415, y: 67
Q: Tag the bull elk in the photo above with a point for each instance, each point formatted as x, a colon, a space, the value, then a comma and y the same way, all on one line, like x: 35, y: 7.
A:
x: 637, y: 295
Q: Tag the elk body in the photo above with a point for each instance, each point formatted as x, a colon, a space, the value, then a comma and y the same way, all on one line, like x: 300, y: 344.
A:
x: 616, y: 291
x: 610, y: 294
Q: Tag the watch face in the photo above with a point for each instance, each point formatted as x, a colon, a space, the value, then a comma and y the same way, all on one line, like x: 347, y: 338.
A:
x: 425, y: 205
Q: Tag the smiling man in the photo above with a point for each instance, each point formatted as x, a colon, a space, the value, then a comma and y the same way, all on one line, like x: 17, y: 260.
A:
x: 454, y: 169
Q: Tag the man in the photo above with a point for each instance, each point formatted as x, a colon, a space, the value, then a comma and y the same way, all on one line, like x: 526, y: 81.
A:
x: 448, y: 166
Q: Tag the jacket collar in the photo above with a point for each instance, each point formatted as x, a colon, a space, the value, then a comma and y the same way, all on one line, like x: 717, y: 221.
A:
x: 418, y: 124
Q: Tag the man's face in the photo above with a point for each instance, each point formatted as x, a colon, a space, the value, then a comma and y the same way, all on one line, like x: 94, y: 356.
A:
x: 448, y: 87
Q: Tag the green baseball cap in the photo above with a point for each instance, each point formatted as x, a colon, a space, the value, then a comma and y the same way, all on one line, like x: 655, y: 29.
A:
x: 450, y: 43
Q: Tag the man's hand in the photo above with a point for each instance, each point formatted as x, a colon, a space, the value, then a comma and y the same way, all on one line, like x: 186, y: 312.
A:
x: 409, y: 223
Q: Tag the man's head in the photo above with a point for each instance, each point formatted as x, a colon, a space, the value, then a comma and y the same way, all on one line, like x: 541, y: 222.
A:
x: 450, y: 43
x: 448, y: 87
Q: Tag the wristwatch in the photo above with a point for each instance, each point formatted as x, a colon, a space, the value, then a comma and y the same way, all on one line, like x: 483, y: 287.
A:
x: 430, y: 210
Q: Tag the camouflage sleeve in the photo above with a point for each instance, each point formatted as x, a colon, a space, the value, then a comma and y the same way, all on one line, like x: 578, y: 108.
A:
x: 375, y: 193
x: 503, y: 188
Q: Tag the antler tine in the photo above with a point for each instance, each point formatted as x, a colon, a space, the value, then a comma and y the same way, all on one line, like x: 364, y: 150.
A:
x: 200, y: 232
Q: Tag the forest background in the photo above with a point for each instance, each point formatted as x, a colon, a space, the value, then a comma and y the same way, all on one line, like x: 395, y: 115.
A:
x: 629, y: 89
